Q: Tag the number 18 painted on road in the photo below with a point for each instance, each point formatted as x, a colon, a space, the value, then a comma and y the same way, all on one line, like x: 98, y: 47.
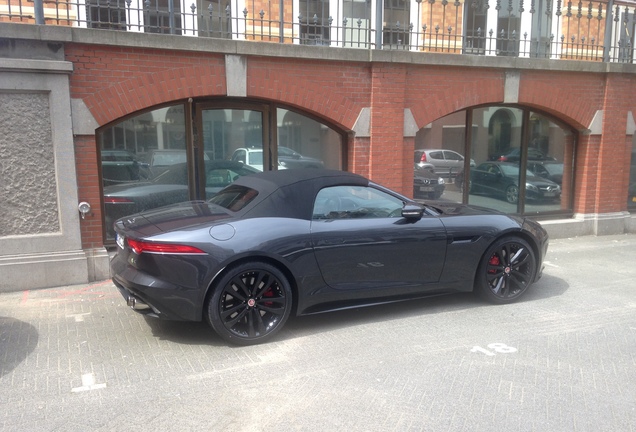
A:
x: 500, y: 348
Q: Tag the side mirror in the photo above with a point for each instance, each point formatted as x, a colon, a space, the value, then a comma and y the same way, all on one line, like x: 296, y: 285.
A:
x: 411, y: 211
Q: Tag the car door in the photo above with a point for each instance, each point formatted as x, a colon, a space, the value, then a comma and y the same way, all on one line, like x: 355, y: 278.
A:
x: 436, y: 157
x: 487, y: 178
x: 362, y: 242
x: 454, y: 160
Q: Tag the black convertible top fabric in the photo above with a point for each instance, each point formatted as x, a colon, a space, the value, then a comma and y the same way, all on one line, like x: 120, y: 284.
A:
x: 291, y: 193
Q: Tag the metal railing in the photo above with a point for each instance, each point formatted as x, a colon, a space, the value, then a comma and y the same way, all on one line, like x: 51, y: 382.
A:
x: 602, y: 31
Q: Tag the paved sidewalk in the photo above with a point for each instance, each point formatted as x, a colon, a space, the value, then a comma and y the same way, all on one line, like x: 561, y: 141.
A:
x: 563, y: 359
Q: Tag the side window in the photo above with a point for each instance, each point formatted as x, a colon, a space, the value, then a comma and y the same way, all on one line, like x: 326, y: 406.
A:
x: 436, y: 155
x: 239, y: 156
x: 449, y: 155
x: 355, y: 202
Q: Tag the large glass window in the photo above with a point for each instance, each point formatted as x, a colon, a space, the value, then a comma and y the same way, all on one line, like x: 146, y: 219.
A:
x: 314, y: 22
x: 541, y: 29
x: 163, y: 156
x: 162, y: 16
x: 306, y: 143
x: 520, y: 161
x: 106, y: 14
x: 476, y: 30
x: 395, y: 34
x: 357, y: 23
x: 508, y: 26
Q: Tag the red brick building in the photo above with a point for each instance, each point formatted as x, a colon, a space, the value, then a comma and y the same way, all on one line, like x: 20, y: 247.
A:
x: 360, y: 110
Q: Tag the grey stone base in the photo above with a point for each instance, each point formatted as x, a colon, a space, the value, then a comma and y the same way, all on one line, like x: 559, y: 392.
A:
x: 33, y: 271
x: 591, y: 224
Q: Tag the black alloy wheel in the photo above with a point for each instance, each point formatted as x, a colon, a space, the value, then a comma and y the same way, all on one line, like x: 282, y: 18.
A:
x: 506, y: 270
x: 250, y: 303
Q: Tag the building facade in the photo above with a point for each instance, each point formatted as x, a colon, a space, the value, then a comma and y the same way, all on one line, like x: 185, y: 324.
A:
x: 108, y: 114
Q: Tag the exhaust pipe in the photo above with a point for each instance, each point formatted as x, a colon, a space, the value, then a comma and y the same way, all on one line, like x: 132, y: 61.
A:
x: 136, y: 304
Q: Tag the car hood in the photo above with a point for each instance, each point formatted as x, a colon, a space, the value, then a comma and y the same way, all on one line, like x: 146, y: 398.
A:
x: 174, y: 217
x: 537, y: 181
x: 540, y: 181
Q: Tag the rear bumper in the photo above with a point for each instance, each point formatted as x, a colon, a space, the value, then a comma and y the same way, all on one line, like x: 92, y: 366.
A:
x: 136, y: 303
x: 154, y: 296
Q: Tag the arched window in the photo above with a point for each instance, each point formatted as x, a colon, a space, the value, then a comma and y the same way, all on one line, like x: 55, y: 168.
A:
x: 184, y: 152
x: 520, y: 161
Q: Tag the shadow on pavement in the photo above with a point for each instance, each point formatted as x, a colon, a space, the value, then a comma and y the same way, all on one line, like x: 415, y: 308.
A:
x: 17, y: 340
x: 200, y: 333
x: 184, y: 332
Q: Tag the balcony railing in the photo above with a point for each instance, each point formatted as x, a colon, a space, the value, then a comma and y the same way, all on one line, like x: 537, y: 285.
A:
x: 551, y: 29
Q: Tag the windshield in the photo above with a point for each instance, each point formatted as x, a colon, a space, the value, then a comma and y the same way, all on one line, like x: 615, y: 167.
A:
x: 513, y: 171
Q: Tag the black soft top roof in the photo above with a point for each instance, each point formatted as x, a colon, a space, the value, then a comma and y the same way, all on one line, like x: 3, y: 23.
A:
x: 291, y: 193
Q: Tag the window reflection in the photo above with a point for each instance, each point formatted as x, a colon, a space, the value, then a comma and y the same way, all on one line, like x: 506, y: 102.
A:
x: 498, y: 150
x: 439, y: 148
x: 148, y: 163
x: 306, y: 143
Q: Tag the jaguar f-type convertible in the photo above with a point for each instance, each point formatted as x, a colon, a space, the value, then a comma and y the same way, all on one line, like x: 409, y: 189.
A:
x: 297, y: 242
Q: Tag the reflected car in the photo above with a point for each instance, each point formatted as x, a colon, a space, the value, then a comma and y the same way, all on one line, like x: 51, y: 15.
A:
x: 501, y: 179
x: 290, y: 159
x: 551, y: 170
x: 160, y: 160
x: 299, y: 242
x: 427, y: 184
x: 287, y: 158
x: 169, y: 187
x: 445, y: 162
x: 514, y: 155
x: 122, y: 166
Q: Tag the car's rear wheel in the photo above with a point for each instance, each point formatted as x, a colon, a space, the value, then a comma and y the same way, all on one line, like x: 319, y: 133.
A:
x: 512, y: 194
x: 506, y: 270
x: 250, y: 303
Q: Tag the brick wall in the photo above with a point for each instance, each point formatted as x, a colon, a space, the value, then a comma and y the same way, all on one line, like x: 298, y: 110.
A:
x: 89, y: 190
x: 118, y: 81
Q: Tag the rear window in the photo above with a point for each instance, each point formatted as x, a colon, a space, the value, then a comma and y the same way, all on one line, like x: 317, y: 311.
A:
x: 234, y: 197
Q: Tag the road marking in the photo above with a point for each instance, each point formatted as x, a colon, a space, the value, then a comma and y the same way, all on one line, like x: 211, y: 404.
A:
x: 88, y: 383
x: 78, y: 317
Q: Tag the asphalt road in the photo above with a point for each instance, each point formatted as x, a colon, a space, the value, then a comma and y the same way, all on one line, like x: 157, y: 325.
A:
x: 563, y: 359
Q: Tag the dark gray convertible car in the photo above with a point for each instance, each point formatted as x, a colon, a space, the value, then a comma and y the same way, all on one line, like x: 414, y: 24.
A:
x: 300, y: 242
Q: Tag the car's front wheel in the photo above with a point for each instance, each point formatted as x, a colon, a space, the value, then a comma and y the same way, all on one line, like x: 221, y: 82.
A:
x: 506, y: 270
x: 250, y: 303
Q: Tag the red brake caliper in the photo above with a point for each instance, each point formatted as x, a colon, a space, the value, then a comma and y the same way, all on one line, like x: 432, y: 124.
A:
x: 494, y: 261
x: 268, y: 293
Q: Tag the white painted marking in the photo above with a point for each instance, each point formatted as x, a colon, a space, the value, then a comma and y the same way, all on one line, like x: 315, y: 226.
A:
x: 498, y: 347
x: 88, y: 383
x: 78, y: 317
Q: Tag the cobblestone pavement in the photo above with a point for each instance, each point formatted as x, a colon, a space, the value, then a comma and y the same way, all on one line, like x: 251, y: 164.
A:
x: 76, y: 358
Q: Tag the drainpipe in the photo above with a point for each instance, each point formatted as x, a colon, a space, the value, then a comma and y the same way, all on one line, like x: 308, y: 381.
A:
x: 281, y: 25
x: 608, y: 31
x: 379, y: 9
x: 39, y: 11
x: 171, y: 16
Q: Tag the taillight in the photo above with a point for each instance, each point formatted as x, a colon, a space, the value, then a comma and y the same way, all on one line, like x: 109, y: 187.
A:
x: 423, y: 158
x: 140, y: 247
x: 115, y: 200
x: 502, y: 158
